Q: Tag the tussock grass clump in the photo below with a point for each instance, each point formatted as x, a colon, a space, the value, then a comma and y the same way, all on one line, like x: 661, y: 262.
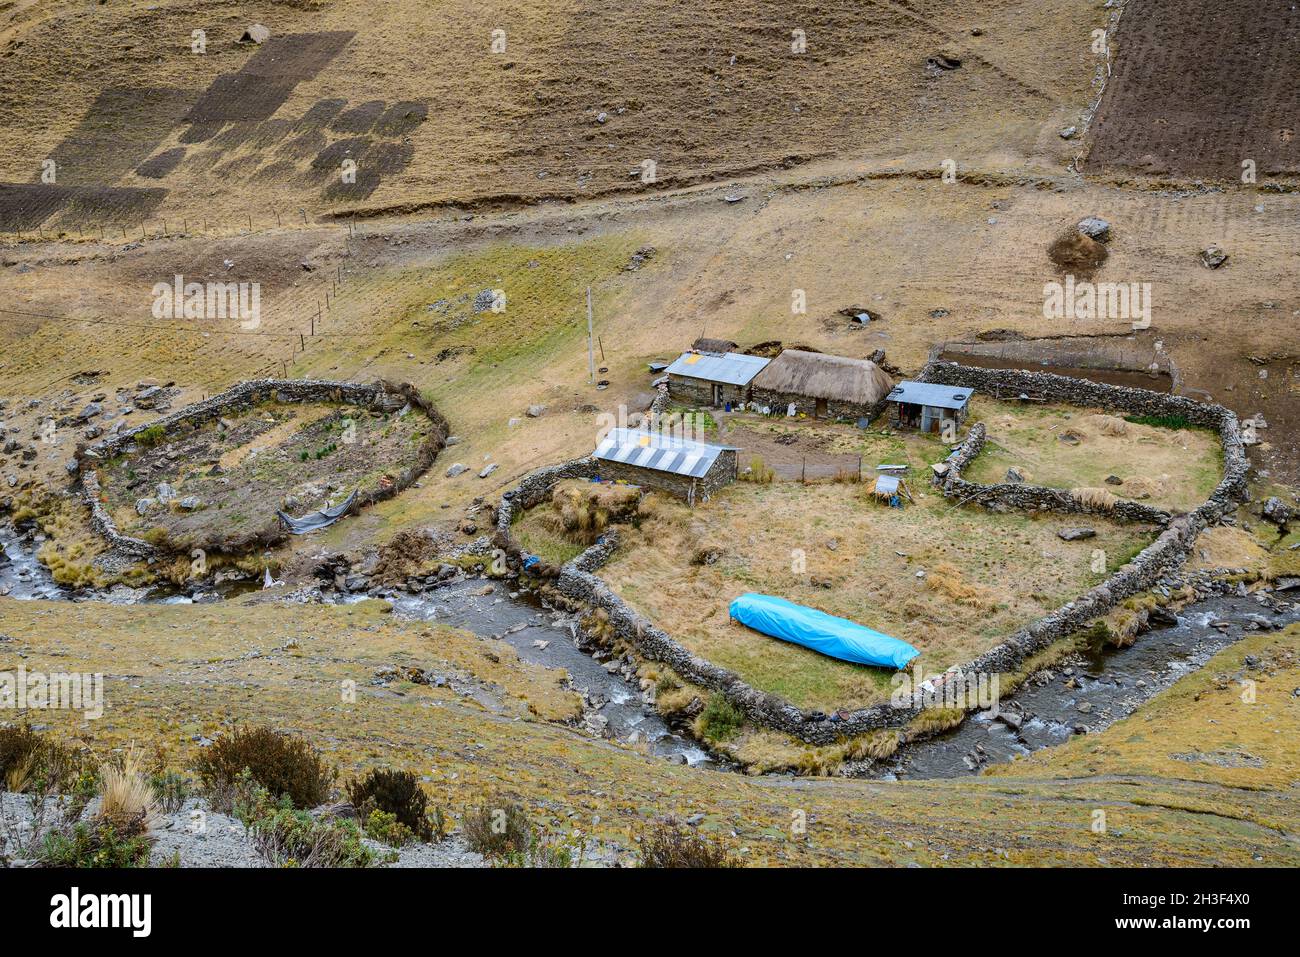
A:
x: 670, y: 845
x: 947, y: 579
x: 283, y: 764
x: 1107, y: 424
x: 127, y: 799
x: 394, y: 793
x: 758, y: 472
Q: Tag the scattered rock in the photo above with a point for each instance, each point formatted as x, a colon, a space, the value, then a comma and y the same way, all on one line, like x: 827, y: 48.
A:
x: 1015, y: 476
x: 1213, y: 256
x: 488, y: 470
x: 456, y: 469
x: 1114, y: 480
x: 1076, y: 533
x: 1094, y: 227
x: 1276, y: 511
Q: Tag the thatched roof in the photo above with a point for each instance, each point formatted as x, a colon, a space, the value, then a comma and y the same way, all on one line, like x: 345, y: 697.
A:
x: 822, y: 376
x: 703, y: 344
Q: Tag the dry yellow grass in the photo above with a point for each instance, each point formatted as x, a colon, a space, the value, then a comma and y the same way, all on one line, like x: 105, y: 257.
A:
x: 169, y: 691
x: 1167, y: 468
x: 985, y: 575
x: 125, y: 794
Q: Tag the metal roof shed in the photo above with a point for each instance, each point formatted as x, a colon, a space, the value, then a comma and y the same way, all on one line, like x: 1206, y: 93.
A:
x: 680, y: 466
x: 931, y: 394
x: 730, y: 368
x: 928, y: 405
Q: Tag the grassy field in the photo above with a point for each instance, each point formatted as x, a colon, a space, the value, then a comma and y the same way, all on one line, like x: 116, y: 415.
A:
x: 828, y: 546
x: 176, y: 672
x: 1168, y: 467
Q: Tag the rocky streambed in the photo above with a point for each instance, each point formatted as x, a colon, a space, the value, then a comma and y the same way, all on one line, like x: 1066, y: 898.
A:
x: 1088, y: 692
x: 1084, y: 693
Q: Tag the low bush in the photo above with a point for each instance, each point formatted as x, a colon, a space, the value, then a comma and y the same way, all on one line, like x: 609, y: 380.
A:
x: 1172, y: 421
x: 719, y: 720
x: 395, y: 793
x: 150, y: 436
x: 288, y: 837
x: 387, y: 829
x: 498, y: 831
x: 285, y: 765
x: 668, y: 844
x: 99, y: 843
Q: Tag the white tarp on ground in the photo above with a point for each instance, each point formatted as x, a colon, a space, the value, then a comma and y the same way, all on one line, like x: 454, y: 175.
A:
x: 314, y: 521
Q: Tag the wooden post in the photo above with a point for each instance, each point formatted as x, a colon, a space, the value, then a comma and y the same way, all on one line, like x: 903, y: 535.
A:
x: 591, y: 355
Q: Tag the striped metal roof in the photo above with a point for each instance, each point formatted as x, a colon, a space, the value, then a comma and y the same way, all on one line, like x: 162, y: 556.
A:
x: 931, y: 394
x: 659, y: 452
x: 729, y: 368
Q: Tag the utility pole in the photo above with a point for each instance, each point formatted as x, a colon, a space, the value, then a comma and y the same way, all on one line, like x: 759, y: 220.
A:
x: 591, y: 355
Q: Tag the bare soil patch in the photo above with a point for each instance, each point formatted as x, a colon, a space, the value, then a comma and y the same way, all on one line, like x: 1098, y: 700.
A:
x: 1198, y: 87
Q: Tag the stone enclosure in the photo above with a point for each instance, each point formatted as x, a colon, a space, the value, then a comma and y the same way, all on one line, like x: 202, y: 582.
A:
x: 385, y: 396
x: 576, y: 579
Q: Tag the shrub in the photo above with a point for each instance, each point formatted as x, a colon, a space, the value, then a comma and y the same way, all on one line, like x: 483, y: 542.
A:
x: 1173, y: 421
x: 31, y: 762
x: 285, y: 765
x: 387, y: 829
x: 395, y: 793
x: 289, y: 837
x: 668, y: 844
x: 149, y: 437
x: 719, y: 720
x: 99, y: 843
x: 169, y: 790
x: 758, y: 472
x: 498, y: 831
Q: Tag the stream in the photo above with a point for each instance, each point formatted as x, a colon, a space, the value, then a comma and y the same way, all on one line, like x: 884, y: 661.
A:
x: 613, y: 705
x: 1084, y: 693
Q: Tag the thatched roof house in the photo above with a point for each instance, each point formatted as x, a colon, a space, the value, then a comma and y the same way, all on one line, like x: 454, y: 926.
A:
x: 719, y: 346
x: 822, y: 385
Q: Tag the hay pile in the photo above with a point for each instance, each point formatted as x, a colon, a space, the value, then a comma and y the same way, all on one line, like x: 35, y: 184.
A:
x: 581, y: 511
x: 1106, y: 424
x: 1095, y: 498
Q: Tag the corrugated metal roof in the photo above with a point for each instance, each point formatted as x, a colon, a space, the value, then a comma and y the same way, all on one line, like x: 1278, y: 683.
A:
x: 886, y: 484
x: 730, y: 368
x: 659, y: 452
x: 929, y: 393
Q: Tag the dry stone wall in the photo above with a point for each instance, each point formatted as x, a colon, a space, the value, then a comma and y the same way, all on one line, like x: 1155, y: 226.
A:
x: 381, y: 395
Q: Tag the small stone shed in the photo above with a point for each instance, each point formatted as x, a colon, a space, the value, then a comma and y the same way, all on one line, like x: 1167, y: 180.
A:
x: 927, y: 405
x: 713, y: 379
x: 689, y: 470
x: 821, y: 385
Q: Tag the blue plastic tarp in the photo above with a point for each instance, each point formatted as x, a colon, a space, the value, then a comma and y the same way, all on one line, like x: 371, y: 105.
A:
x: 836, y: 637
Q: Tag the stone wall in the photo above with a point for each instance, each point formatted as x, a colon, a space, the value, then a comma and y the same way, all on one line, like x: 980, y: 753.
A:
x: 699, y: 392
x: 379, y: 395
x: 1114, y: 398
x: 1030, y: 498
x: 576, y: 579
x: 781, y: 402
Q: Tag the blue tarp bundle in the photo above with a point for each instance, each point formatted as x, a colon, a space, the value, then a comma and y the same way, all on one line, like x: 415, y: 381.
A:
x: 837, y: 637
